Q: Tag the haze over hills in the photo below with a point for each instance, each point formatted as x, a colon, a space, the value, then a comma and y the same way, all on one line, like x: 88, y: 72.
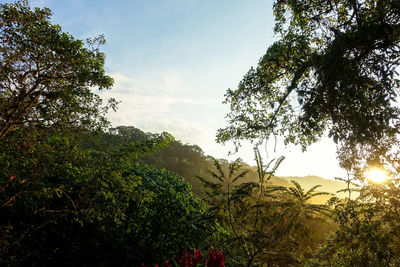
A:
x: 327, y: 185
x: 190, y: 161
x: 307, y: 182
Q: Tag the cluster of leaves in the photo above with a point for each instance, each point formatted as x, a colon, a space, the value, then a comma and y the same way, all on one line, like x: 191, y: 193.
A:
x: 368, y: 233
x: 333, y: 70
x: 47, y: 76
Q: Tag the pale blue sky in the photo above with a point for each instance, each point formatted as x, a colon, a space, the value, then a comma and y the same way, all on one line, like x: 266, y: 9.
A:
x: 173, y: 60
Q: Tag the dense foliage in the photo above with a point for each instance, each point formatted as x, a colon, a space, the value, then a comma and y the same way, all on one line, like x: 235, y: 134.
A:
x: 46, y: 76
x: 61, y: 201
x: 368, y: 233
x: 183, y: 159
x: 333, y: 70
x: 263, y: 223
x: 73, y: 192
x: 67, y: 195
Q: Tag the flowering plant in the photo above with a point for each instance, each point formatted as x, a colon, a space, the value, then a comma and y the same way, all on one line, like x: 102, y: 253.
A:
x: 215, y: 259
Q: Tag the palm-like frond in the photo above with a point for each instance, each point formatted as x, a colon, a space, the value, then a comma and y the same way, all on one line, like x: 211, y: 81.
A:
x: 234, y: 166
x: 300, y: 204
x: 218, y: 166
x: 348, y: 189
x: 296, y: 191
x: 244, y: 189
x: 277, y: 164
x: 347, y: 181
x: 319, y: 194
x: 312, y: 189
x: 216, y: 176
x: 273, y: 188
x: 240, y: 175
x: 210, y: 185
x: 262, y: 169
x: 297, y: 186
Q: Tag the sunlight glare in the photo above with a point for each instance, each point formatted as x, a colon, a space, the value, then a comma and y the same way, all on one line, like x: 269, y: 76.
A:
x: 376, y: 175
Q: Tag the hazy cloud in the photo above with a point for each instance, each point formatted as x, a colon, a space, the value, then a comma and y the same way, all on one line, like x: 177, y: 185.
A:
x: 154, y: 112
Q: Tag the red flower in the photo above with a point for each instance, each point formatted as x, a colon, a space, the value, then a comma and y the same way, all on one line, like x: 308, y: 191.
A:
x: 167, y: 264
x: 189, y: 260
x: 215, y: 258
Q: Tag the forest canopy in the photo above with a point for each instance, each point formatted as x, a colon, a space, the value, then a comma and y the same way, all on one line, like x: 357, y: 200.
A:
x: 333, y: 70
x: 47, y: 76
x: 75, y: 192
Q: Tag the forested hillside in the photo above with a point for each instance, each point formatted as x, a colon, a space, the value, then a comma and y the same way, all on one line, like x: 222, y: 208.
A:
x: 190, y: 161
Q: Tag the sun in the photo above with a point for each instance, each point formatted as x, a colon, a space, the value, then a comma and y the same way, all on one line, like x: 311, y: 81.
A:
x: 377, y: 176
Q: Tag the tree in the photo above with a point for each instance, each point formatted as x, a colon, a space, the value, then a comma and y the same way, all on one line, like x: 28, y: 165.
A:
x: 299, y: 207
x: 333, y: 71
x: 162, y: 216
x: 262, y: 221
x: 364, y: 237
x: 46, y: 76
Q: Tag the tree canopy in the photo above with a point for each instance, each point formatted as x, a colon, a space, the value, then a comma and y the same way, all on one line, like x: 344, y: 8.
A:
x: 46, y: 75
x: 333, y: 71
x: 70, y: 194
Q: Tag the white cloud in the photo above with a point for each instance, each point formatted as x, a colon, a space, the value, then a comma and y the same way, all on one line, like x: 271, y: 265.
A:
x: 172, y: 81
x: 154, y: 112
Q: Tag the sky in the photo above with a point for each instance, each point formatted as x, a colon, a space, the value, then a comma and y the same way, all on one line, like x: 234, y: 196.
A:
x: 172, y: 62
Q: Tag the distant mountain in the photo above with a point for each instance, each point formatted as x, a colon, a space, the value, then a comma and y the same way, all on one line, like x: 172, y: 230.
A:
x: 327, y: 185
